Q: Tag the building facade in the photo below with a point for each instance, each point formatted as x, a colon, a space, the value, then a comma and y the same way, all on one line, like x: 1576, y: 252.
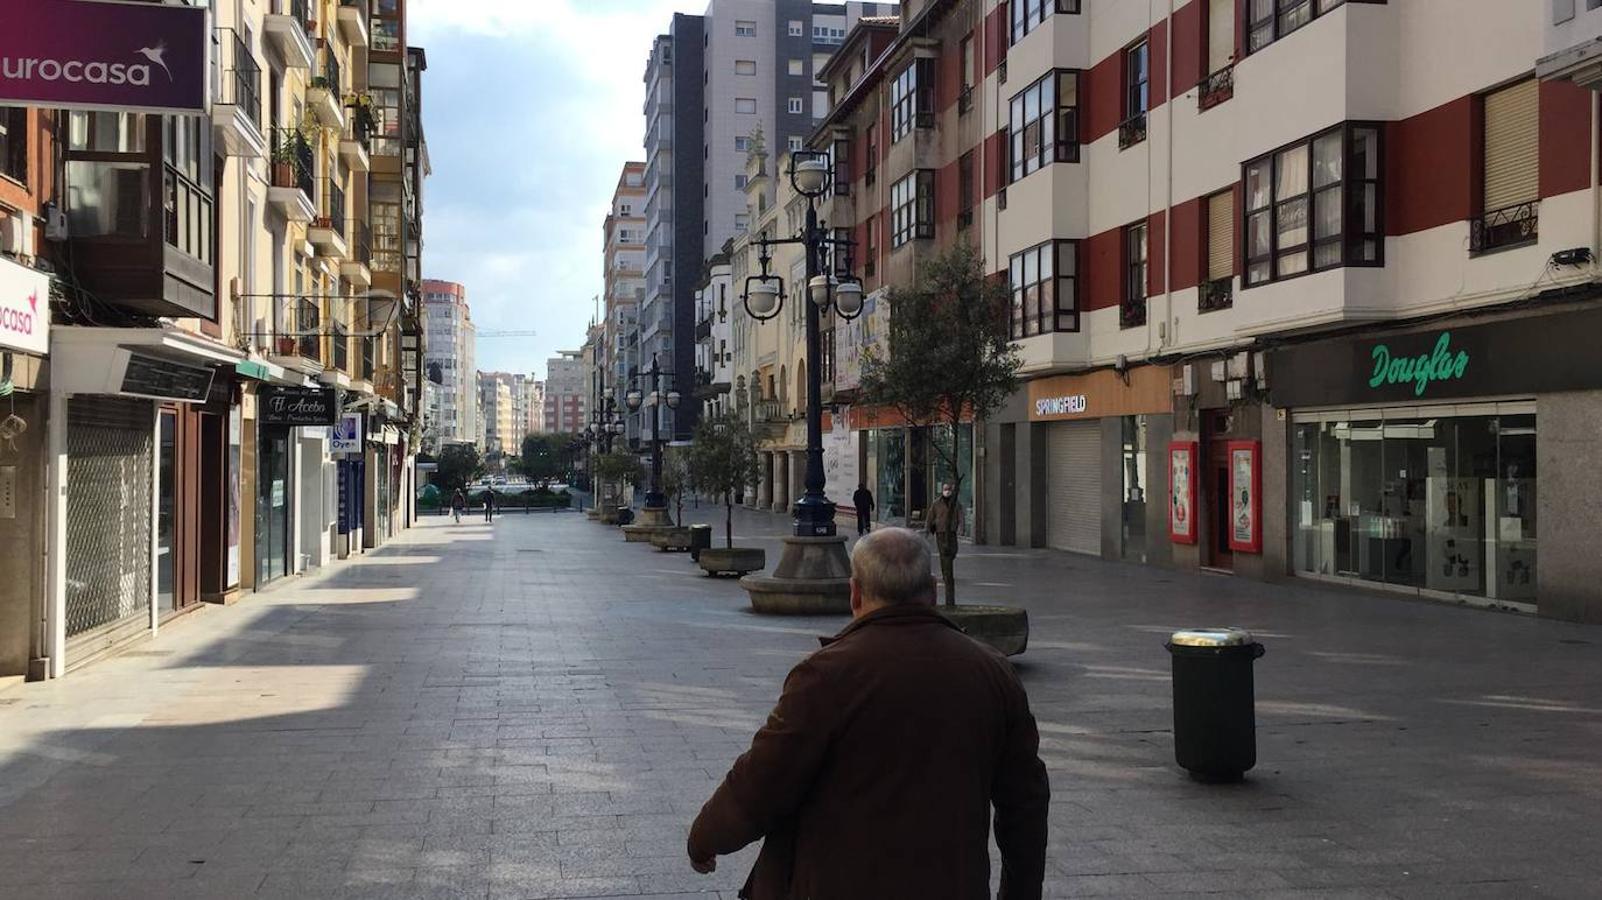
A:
x: 1258, y: 257
x: 451, y: 359
x: 567, y: 389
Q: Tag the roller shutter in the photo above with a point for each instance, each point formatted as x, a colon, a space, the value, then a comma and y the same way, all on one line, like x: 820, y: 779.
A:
x: 1075, y: 487
x: 1512, y: 146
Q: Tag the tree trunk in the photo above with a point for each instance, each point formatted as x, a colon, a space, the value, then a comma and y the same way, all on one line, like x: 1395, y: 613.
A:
x: 728, y: 523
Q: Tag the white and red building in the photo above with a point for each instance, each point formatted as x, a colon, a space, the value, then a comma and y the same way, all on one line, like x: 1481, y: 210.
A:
x: 1301, y: 288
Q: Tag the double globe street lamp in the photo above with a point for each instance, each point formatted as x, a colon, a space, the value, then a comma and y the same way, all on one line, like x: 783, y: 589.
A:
x: 605, y: 423
x: 828, y: 287
x: 655, y: 512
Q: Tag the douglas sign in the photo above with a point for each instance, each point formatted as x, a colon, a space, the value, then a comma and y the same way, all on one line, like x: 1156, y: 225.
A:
x: 96, y: 54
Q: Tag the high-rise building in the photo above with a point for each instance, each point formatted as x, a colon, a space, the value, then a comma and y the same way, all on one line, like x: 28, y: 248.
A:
x: 505, y: 405
x: 451, y: 350
x: 625, y: 240
x: 742, y: 71
x: 566, y: 393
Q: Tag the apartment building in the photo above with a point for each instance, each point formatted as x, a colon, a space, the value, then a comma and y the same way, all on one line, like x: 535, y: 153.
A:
x: 567, y: 391
x: 742, y: 70
x: 496, y: 407
x: 210, y: 316
x: 451, y: 360
x: 1259, y: 256
x: 624, y: 236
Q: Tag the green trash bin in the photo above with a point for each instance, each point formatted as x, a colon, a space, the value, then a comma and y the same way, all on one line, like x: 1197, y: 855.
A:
x: 700, y: 539
x: 1215, y: 717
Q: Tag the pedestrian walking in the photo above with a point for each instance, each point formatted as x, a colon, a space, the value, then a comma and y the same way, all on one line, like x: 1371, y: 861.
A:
x: 458, y: 505
x: 863, y: 500
x: 490, y: 503
x: 875, y: 775
x: 945, y: 521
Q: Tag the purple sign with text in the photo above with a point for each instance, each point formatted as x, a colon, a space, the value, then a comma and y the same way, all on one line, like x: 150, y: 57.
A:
x: 99, y: 54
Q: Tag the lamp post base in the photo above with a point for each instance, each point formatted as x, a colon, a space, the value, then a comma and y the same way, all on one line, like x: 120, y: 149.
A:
x: 652, y: 519
x: 813, y: 578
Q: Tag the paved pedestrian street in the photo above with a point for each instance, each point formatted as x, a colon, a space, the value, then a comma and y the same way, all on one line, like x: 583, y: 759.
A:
x: 535, y: 709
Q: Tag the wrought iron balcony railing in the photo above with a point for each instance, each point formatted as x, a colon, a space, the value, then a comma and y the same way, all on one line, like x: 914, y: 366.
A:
x: 328, y: 77
x: 1216, y: 88
x: 333, y: 216
x: 1512, y: 226
x: 1131, y: 131
x: 241, y: 77
x: 1132, y: 312
x: 294, y: 165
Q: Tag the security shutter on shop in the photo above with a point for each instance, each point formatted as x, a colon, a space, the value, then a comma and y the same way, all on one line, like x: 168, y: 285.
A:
x: 110, y: 457
x: 1512, y: 146
x: 1075, y: 492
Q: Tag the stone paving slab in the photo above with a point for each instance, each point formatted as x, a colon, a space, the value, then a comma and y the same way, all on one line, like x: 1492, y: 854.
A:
x: 534, y: 709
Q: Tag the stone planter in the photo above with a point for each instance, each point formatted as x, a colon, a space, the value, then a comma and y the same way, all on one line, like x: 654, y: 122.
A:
x: 813, y: 578
x: 675, y: 539
x: 733, y: 560
x: 1005, y: 628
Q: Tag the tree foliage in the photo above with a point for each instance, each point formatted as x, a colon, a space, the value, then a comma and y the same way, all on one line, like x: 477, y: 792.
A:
x: 619, y: 467
x: 723, y: 461
x: 544, y: 456
x: 947, y: 354
x: 675, y: 478
x: 459, y: 465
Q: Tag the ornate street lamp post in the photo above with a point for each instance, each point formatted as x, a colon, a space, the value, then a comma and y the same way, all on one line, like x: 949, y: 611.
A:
x: 812, y: 576
x: 655, y: 512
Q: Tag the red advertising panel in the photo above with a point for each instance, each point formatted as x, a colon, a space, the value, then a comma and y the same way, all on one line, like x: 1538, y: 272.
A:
x: 1246, y: 496
x: 1182, y: 525
x: 99, y: 54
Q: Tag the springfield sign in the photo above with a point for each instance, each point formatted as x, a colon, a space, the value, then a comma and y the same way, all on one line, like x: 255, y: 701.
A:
x: 98, y: 54
x: 24, y: 309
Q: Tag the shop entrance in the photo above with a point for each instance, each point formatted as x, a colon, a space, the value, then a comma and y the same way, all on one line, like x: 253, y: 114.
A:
x: 272, y: 504
x: 1215, y: 492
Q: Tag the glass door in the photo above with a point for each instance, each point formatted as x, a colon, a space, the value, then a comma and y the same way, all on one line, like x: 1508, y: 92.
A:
x: 166, y: 512
x: 272, y: 505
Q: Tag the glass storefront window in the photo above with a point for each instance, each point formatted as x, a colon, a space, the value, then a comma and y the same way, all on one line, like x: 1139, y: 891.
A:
x: 1439, y: 500
x: 887, y: 450
x: 1134, y: 494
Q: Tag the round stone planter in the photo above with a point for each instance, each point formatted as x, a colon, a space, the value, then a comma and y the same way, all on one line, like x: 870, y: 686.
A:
x: 642, y: 534
x: 675, y: 539
x: 1005, y: 628
x: 813, y: 578
x: 732, y: 560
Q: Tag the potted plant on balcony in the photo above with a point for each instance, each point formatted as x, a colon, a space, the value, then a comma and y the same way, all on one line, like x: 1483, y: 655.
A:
x: 722, y: 463
x: 363, y: 120
x: 948, y: 357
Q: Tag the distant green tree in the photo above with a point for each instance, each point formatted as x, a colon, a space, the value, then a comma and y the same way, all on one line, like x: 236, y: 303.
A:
x: 619, y: 467
x: 722, y: 462
x: 459, y: 465
x: 544, y: 456
x: 675, y: 479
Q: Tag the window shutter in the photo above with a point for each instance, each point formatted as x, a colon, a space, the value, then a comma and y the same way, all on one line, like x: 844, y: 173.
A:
x: 1221, y: 235
x: 1220, y: 34
x: 1512, y: 146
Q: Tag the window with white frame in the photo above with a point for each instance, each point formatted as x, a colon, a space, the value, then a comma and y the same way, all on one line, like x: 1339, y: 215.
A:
x: 797, y: 67
x: 740, y: 182
x: 1314, y: 205
x: 1044, y: 284
x: 912, y: 208
x: 1029, y: 14
x: 743, y: 28
x: 745, y: 67
x: 797, y: 106
x: 1044, y: 123
x: 745, y: 105
x: 798, y: 28
x: 796, y: 143
x: 742, y: 143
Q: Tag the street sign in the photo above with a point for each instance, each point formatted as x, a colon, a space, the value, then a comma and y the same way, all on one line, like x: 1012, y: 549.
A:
x: 94, y: 54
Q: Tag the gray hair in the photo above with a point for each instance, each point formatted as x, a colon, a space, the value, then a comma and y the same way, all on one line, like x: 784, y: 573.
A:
x: 893, y: 566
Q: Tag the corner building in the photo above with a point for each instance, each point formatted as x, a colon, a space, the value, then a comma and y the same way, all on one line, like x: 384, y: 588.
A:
x: 1302, y: 289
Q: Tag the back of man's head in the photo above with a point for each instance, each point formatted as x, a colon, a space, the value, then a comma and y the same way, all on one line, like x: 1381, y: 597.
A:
x: 891, y: 567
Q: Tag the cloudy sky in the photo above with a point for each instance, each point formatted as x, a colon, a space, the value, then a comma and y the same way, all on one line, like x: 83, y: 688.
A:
x: 531, y: 108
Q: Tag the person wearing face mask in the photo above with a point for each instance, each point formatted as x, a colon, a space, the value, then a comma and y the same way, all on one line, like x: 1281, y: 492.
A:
x: 945, y: 521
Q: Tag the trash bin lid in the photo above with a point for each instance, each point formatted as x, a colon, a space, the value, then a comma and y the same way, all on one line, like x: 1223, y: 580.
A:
x: 1211, y: 637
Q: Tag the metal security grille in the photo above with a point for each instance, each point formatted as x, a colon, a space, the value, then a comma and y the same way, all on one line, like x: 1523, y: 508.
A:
x: 109, y: 470
x: 1075, y: 492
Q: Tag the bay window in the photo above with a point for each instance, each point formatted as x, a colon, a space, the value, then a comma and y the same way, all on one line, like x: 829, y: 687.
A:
x: 1314, y: 205
x: 1269, y: 20
x: 1044, y: 289
x: 1044, y: 123
x: 912, y: 208
x: 912, y: 99
x: 1029, y: 14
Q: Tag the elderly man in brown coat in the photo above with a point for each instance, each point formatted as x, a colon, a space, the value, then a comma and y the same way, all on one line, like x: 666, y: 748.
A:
x: 875, y: 775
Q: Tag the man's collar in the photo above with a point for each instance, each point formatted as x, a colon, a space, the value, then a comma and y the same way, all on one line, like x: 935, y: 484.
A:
x: 901, y: 614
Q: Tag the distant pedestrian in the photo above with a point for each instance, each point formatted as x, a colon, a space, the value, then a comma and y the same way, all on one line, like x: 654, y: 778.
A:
x: 863, y: 500
x: 490, y: 503
x: 458, y: 505
x: 945, y: 522
x: 875, y: 775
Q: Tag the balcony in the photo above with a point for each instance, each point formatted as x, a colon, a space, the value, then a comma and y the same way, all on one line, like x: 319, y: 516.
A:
x: 236, y: 114
x: 324, y: 94
x: 1215, y: 295
x: 1216, y: 88
x: 1132, y: 312
x: 703, y: 330
x: 356, y: 267
x: 356, y: 143
x: 327, y: 231
x: 1504, y: 229
x: 769, y: 422
x: 286, y: 29
x: 1131, y: 131
x: 290, y: 191
x: 353, y: 22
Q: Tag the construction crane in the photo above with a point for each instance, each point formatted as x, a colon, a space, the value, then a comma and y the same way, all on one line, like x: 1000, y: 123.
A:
x: 506, y: 334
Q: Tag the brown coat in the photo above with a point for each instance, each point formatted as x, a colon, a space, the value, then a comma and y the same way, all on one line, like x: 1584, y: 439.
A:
x: 945, y: 520
x: 875, y: 775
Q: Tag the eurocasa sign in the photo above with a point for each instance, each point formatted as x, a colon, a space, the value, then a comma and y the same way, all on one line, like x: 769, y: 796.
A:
x: 24, y: 309
x: 99, y: 54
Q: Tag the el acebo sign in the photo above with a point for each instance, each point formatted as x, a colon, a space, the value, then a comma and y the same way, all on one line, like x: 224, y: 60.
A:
x: 297, y: 406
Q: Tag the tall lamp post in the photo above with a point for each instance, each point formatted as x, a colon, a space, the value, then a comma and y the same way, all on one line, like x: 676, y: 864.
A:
x: 655, y: 512
x: 813, y: 574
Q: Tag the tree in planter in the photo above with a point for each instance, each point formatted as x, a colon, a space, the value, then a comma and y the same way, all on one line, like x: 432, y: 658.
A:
x: 675, y: 479
x: 947, y: 354
x: 459, y: 466
x: 619, y: 467
x: 723, y: 461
